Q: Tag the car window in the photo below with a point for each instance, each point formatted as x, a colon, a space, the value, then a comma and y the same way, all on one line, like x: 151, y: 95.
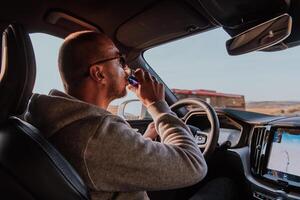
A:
x: 46, y: 49
x: 199, y: 66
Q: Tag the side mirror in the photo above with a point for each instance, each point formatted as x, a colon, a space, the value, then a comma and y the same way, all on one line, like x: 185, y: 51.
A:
x: 261, y: 36
x: 133, y: 110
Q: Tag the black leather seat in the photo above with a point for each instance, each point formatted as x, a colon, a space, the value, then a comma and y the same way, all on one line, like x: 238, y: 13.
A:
x: 30, y: 167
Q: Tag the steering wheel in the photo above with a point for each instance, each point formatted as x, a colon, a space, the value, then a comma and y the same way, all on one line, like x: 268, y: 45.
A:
x: 207, y: 141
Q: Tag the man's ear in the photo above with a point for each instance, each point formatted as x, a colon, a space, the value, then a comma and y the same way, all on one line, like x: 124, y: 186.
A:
x: 96, y: 73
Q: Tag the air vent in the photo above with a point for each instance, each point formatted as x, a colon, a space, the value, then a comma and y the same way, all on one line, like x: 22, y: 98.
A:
x: 258, y: 148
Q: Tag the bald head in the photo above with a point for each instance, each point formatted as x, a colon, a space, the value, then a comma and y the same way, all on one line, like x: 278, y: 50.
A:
x: 78, y: 52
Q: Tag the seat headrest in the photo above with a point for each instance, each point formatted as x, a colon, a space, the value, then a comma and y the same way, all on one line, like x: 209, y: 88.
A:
x: 17, y: 72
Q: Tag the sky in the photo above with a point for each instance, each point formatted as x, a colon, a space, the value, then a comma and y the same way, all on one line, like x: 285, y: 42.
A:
x: 198, y: 62
x: 260, y: 76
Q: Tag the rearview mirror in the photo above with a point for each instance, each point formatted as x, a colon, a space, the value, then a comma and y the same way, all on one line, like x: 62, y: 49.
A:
x: 261, y: 36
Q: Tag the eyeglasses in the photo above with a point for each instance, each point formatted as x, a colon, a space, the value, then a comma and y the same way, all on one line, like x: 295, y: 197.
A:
x: 121, y: 57
x: 122, y: 61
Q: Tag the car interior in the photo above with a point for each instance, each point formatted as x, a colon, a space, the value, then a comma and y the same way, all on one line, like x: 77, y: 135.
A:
x: 31, y: 168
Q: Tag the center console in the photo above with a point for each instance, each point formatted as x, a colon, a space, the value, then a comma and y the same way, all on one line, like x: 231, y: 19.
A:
x: 275, y: 160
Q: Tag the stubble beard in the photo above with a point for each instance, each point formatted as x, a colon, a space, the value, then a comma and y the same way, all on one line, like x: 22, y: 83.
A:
x: 122, y: 94
x: 116, y: 93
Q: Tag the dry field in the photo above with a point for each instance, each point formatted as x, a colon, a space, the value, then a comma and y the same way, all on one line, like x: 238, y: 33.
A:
x: 274, y: 107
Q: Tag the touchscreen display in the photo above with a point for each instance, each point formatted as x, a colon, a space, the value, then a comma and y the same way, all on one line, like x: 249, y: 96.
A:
x: 284, y: 158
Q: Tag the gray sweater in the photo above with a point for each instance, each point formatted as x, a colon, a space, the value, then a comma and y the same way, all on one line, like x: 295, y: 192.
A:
x: 115, y: 161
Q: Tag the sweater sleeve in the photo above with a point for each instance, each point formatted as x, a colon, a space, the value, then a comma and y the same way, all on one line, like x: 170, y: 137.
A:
x: 120, y: 159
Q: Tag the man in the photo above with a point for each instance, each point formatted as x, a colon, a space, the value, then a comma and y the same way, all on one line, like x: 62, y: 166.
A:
x: 115, y: 161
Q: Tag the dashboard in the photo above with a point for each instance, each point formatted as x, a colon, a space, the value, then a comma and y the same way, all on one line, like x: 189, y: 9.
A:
x: 267, y: 148
x: 230, y: 130
x: 231, y: 135
x: 263, y: 155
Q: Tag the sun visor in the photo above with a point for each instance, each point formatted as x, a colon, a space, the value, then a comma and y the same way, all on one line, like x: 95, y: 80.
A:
x: 68, y: 22
x: 166, y: 20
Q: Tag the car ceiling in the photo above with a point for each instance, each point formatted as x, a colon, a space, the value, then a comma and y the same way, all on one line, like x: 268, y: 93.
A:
x: 138, y: 25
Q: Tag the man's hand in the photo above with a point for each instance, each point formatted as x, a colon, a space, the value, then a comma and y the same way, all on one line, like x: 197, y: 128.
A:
x: 151, y: 132
x: 149, y: 89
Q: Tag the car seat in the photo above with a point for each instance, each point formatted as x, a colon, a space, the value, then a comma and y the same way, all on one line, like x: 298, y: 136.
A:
x: 30, y: 167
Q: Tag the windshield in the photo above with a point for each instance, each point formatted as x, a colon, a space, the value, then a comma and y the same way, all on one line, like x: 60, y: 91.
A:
x: 199, y: 66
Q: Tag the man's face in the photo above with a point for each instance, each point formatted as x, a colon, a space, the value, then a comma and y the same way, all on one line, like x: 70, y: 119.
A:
x: 114, y: 71
x: 117, y: 78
